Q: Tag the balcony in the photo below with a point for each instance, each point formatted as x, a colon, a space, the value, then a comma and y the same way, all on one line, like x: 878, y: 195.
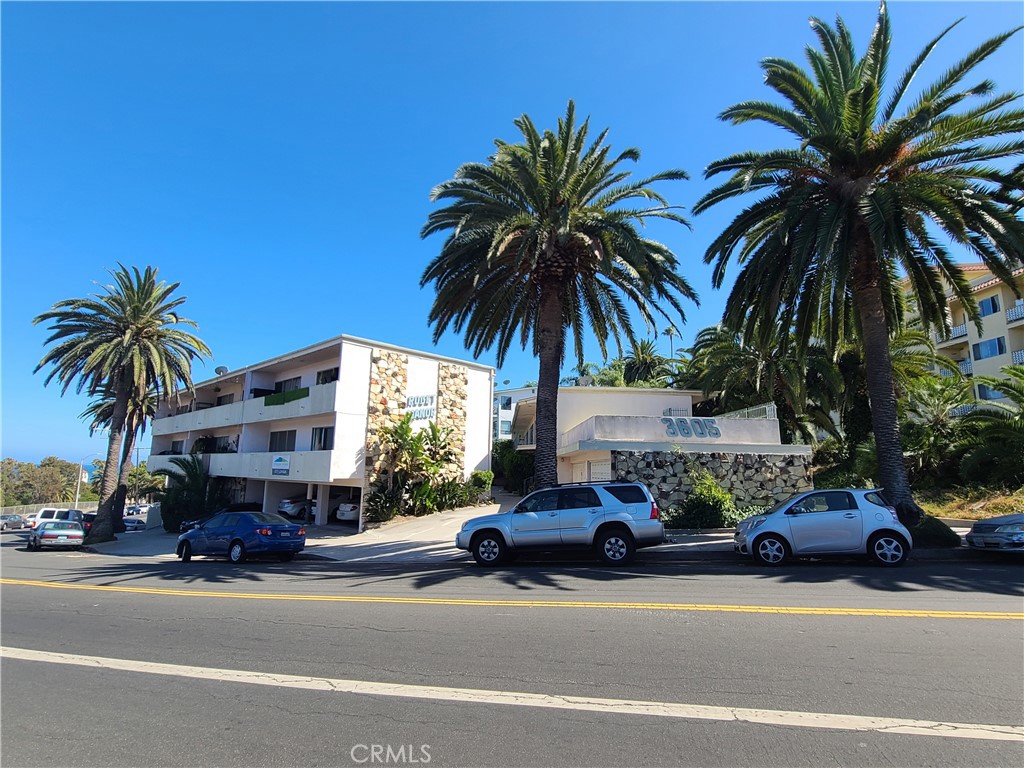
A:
x: 956, y: 332
x: 1018, y: 357
x: 966, y: 367
x: 307, y: 466
x: 200, y: 420
x: 1015, y: 313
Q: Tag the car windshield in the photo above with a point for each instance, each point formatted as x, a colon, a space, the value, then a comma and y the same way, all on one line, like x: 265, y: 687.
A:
x: 62, y: 527
x: 269, y: 518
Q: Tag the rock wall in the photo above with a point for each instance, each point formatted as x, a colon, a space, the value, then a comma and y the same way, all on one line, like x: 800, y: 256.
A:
x: 751, y: 478
x: 389, y: 384
x: 452, y: 393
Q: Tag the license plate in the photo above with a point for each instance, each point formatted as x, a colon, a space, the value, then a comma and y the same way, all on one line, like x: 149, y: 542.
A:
x: 62, y: 537
x: 285, y: 534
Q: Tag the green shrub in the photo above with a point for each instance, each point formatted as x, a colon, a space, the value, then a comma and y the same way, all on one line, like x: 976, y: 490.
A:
x: 829, y: 452
x: 932, y: 532
x: 481, y: 480
x: 518, y: 468
x: 383, y: 503
x: 707, y: 505
x: 840, y: 476
x: 453, y: 494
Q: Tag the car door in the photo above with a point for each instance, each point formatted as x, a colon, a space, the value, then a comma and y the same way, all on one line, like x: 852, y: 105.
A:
x: 579, y: 510
x: 535, y: 520
x: 219, y: 536
x: 201, y: 540
x: 826, y: 521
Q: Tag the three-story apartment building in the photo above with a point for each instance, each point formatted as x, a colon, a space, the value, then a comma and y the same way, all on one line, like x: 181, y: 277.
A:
x: 307, y: 422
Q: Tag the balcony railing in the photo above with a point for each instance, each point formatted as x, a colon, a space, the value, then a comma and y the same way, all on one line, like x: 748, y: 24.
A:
x: 956, y: 332
x: 1015, y: 313
x: 961, y: 410
x: 766, y: 411
x: 1018, y: 357
x: 966, y: 367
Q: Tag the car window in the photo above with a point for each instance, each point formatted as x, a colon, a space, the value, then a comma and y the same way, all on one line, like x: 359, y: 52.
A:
x: 229, y: 521
x: 627, y: 494
x: 579, y: 498
x: 215, y: 522
x: 825, y: 501
x: 269, y: 518
x: 47, y: 515
x: 542, y: 501
x: 64, y: 526
x: 877, y: 498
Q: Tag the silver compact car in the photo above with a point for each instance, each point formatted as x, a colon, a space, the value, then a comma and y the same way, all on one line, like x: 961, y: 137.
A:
x: 61, y: 534
x: 998, y: 534
x: 611, y: 519
x: 834, y: 522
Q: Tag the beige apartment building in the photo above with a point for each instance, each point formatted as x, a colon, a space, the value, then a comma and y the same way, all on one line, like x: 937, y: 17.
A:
x: 1001, y: 339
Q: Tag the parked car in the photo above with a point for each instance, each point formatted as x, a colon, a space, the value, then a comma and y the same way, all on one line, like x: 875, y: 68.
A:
x: 59, y: 533
x: 88, y: 519
x: 998, y: 534
x: 295, y: 507
x: 245, y: 506
x: 133, y: 524
x: 44, y: 514
x: 612, y: 519
x: 132, y: 511
x: 243, y: 534
x: 346, y: 512
x: 15, y: 522
x: 52, y: 513
x: 834, y: 522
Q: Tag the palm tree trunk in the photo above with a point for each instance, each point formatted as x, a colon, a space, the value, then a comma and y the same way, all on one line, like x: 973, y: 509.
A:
x: 867, y: 296
x: 550, y: 342
x: 103, y: 526
x: 131, y: 431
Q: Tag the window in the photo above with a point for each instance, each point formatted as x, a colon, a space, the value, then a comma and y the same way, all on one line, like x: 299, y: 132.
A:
x: 579, y: 498
x: 226, y: 399
x: 988, y: 306
x: 542, y: 501
x: 990, y: 348
x: 627, y: 494
x: 877, y: 498
x: 287, y: 385
x: 987, y: 393
x: 182, y: 409
x: 506, y: 427
x: 828, y: 501
x: 177, y: 447
x: 282, y: 441
x: 222, y: 444
x: 327, y: 376
x: 323, y: 439
x: 230, y: 521
x: 506, y: 402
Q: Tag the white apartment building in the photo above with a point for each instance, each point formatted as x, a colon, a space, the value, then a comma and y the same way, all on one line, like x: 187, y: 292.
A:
x: 504, y: 409
x: 306, y: 422
x: 1001, y: 339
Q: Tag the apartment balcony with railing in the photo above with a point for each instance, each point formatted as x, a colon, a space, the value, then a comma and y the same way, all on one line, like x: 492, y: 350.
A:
x: 1015, y: 313
x: 955, y: 333
x: 1018, y: 357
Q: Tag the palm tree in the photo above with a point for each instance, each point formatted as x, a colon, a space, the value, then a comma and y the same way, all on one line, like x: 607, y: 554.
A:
x: 644, y: 365
x: 543, y: 241
x: 125, y: 340
x: 671, y: 332
x: 141, y: 408
x: 189, y: 493
x: 864, y: 194
x: 934, y: 432
x: 999, y: 446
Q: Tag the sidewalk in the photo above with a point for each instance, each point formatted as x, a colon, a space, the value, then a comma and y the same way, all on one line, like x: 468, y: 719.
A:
x: 431, y: 540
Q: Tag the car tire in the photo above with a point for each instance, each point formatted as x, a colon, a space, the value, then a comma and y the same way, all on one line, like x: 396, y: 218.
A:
x: 888, y: 549
x: 488, y: 549
x: 615, y: 547
x: 3, y: 526
x: 286, y: 557
x: 771, y: 550
x: 185, y: 551
x: 236, y: 552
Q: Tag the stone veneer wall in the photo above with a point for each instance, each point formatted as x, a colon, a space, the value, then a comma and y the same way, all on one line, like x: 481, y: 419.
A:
x: 751, y: 478
x: 389, y: 383
x: 452, y: 393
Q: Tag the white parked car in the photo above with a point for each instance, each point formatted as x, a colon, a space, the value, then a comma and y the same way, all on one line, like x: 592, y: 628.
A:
x: 833, y: 522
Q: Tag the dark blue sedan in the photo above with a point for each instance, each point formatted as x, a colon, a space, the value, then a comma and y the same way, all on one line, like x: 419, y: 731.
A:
x: 241, y: 534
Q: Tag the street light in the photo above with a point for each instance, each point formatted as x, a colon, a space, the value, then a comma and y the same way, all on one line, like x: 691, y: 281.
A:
x: 81, y: 469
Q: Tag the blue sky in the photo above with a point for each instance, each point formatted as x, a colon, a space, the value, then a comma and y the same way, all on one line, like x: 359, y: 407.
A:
x: 276, y: 159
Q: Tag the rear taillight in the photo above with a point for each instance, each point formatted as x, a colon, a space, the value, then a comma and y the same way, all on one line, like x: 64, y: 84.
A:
x: 302, y: 531
x: 264, y: 532
x: 655, y: 513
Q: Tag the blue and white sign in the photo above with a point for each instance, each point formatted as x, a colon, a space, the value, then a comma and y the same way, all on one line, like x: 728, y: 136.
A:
x: 280, y: 465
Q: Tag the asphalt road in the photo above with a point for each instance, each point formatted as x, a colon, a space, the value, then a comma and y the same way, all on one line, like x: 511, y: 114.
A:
x: 537, y: 644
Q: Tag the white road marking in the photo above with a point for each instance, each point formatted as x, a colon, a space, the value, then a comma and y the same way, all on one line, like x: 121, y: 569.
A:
x: 509, y: 698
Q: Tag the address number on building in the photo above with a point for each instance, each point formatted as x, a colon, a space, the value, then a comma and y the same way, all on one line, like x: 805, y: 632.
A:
x: 691, y: 428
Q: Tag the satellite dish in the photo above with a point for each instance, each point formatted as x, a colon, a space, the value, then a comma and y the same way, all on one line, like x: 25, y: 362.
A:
x: 584, y: 381
x: 220, y: 370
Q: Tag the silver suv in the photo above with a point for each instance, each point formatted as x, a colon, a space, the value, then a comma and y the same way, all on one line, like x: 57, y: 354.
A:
x: 613, y: 519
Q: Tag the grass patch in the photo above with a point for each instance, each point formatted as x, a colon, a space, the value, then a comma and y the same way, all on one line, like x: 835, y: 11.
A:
x: 970, y: 503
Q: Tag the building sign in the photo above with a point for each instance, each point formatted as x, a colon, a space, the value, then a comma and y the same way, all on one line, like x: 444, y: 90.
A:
x: 684, y: 427
x: 421, y: 407
x: 279, y: 465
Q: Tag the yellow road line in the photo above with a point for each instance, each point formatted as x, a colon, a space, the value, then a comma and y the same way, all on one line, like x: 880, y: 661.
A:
x: 714, y: 608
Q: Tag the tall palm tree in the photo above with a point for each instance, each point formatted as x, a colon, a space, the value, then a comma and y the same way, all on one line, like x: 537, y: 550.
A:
x: 863, y: 194
x: 645, y: 365
x: 671, y: 332
x: 543, y: 241
x: 126, y: 340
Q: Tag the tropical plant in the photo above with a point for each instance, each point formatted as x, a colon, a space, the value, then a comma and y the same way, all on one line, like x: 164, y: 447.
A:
x: 643, y: 365
x: 126, y: 340
x: 707, y: 505
x: 864, y: 193
x: 190, y: 493
x: 141, y: 483
x: 997, y: 452
x: 543, y: 242
x: 935, y: 435
x: 671, y: 332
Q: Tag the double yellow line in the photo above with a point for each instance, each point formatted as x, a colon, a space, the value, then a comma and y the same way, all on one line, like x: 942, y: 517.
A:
x: 904, y: 613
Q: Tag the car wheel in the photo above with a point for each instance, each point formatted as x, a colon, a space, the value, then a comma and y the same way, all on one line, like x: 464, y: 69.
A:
x: 615, y: 547
x: 488, y: 549
x: 771, y: 550
x: 286, y: 557
x: 185, y: 551
x: 236, y: 552
x: 888, y: 549
x: 3, y: 526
